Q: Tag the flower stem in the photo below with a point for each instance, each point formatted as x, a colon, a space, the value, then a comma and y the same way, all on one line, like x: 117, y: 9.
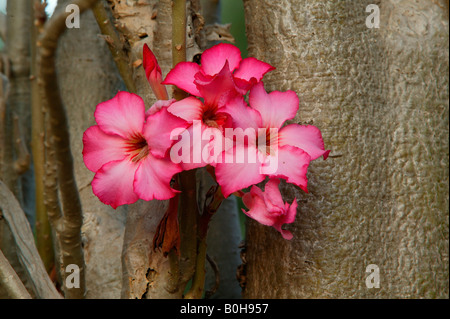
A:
x: 215, y: 199
x: 188, y: 210
x: 178, y: 39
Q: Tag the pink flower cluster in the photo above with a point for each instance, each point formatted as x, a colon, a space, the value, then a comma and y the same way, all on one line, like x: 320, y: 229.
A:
x: 132, y: 150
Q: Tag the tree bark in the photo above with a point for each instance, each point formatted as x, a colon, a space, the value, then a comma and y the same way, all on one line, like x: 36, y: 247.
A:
x: 88, y: 76
x: 380, y: 97
x: 40, y: 284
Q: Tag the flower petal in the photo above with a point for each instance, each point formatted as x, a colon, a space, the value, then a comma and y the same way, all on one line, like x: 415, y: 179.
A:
x: 252, y: 68
x: 234, y: 174
x: 113, y: 183
x: 123, y: 115
x: 149, y: 61
x: 272, y: 195
x: 305, y: 137
x: 189, y: 109
x: 242, y: 116
x: 152, y: 180
x: 218, y: 89
x: 275, y: 108
x: 100, y: 148
x: 214, y: 58
x: 153, y: 74
x: 257, y: 208
x: 158, y: 129
x: 287, y: 218
x: 183, y: 76
x: 291, y: 212
x: 284, y: 232
x: 292, y: 165
x: 158, y: 105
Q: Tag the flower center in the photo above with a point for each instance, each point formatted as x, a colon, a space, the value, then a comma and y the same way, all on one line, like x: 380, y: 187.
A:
x: 213, y: 119
x: 137, y: 148
x: 266, y: 142
x: 277, y: 211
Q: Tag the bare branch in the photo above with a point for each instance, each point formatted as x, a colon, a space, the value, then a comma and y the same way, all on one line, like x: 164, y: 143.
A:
x: 43, y: 229
x: 11, y: 281
x: 69, y: 231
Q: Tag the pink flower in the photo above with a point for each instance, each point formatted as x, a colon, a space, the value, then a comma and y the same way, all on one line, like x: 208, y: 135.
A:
x: 207, y: 114
x: 268, y: 207
x: 153, y: 74
x: 283, y: 152
x: 222, y: 76
x: 223, y: 59
x: 128, y: 151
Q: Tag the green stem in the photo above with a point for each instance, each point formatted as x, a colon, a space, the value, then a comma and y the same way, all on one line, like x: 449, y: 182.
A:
x: 178, y: 39
x: 216, y: 198
x: 188, y: 215
x: 198, y: 282
x: 188, y: 210
x: 43, y: 230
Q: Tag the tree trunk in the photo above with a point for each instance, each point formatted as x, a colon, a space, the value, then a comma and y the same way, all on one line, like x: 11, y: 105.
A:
x: 380, y: 97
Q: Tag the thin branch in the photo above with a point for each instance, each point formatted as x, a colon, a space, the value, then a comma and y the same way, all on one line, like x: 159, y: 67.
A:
x: 115, y: 45
x: 179, y: 39
x: 11, y: 281
x: 70, y: 230
x: 43, y: 229
x: 188, y: 210
x: 4, y: 90
x: 50, y: 192
x: 188, y: 216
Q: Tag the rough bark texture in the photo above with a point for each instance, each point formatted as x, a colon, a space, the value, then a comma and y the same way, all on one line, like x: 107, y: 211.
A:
x: 87, y: 76
x: 146, y: 272
x: 137, y: 22
x: 31, y: 264
x: 380, y: 97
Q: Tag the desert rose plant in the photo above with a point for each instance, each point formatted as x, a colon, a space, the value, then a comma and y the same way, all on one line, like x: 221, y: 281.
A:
x: 227, y: 123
